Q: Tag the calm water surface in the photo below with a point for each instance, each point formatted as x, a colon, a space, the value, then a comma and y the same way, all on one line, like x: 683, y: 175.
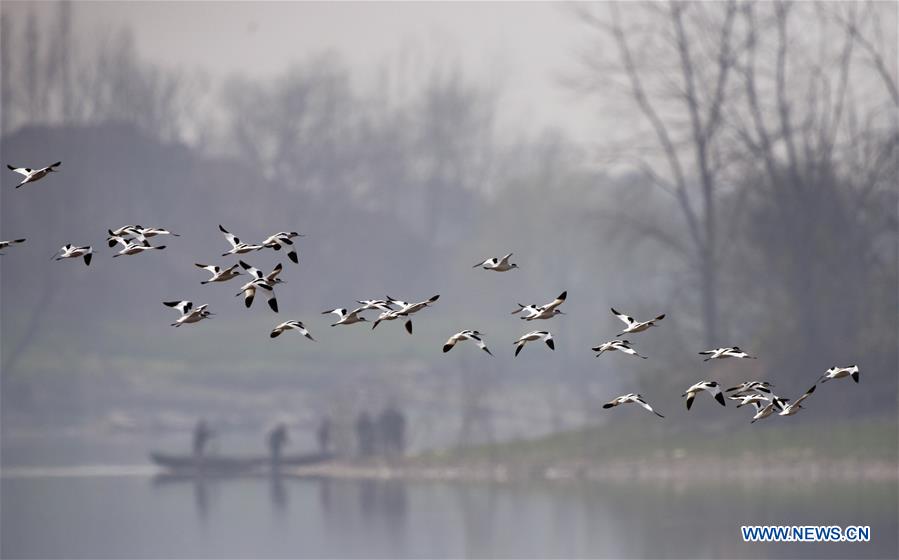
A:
x: 145, y: 517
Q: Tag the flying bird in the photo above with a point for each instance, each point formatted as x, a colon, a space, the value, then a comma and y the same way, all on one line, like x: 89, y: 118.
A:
x: 833, y: 373
x: 288, y: 325
x: 32, y: 175
x: 69, y: 251
x: 612, y: 345
x: 133, y: 246
x: 634, y: 326
x: 460, y: 336
x: 747, y: 386
x: 721, y: 353
x: 547, y: 311
x: 346, y: 317
x: 282, y: 238
x: 237, y: 247
x: 631, y: 398
x: 404, y: 309
x: 219, y: 274
x: 752, y: 398
x: 710, y: 386
x: 5, y: 244
x: 795, y: 406
x: 497, y: 264
x: 188, y: 313
x: 546, y: 336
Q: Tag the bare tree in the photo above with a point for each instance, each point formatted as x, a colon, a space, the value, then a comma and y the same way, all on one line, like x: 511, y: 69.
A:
x: 679, y: 76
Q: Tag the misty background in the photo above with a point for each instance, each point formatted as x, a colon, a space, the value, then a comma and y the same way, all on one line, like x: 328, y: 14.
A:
x: 732, y: 165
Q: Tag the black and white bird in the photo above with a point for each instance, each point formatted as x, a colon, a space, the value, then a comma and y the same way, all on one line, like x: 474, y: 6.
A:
x: 721, y: 353
x: 631, y: 398
x: 403, y: 310
x: 545, y: 336
x: 547, y: 311
x: 133, y: 246
x: 764, y: 411
x: 32, y: 175
x: 270, y: 278
x: 219, y: 274
x: 460, y: 336
x: 69, y: 251
x: 248, y: 291
x: 612, y: 345
x: 189, y: 314
x: 237, y: 246
x: 264, y: 282
x: 379, y: 304
x: 794, y: 407
x: 634, y: 326
x: 833, y: 373
x: 149, y: 232
x: 5, y: 244
x: 710, y: 386
x: 497, y: 264
x: 751, y: 398
x: 291, y: 325
x: 345, y: 317
x: 283, y: 238
x: 748, y: 386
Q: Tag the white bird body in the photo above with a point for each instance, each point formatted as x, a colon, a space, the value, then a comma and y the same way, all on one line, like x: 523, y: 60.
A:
x: 249, y: 293
x: 189, y: 314
x: 70, y: 251
x: 392, y: 315
x: 546, y: 336
x: 634, y: 326
x: 379, y: 304
x: 32, y: 175
x: 132, y: 248
x: 219, y: 274
x: 748, y: 386
x: 237, y: 246
x: 751, y: 398
x: 152, y: 231
x: 410, y: 308
x: 346, y: 317
x: 765, y: 411
x: 291, y: 325
x: 631, y: 398
x: 547, y: 311
x: 833, y: 373
x: 795, y: 406
x: 5, y: 244
x: 620, y: 345
x: 497, y: 264
x: 721, y: 353
x: 280, y: 239
x: 709, y: 386
x: 271, y: 278
x: 460, y: 336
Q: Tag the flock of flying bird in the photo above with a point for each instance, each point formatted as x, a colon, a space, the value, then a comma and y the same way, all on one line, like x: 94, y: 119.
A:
x: 134, y: 239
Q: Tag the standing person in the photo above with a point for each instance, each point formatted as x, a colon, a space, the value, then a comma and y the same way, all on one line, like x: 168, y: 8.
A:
x: 365, y: 435
x: 324, y: 436
x: 201, y: 436
x: 277, y: 439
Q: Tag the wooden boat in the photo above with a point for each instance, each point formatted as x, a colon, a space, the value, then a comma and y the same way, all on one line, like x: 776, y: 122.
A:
x: 219, y: 464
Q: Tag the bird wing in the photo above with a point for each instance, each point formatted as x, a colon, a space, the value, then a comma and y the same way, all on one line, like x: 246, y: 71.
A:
x: 340, y: 312
x: 20, y: 170
x: 805, y: 395
x: 628, y: 320
x: 253, y: 271
x: 556, y: 302
x: 182, y: 306
x: 645, y: 405
x: 274, y: 273
x: 482, y: 263
x: 505, y: 258
x: 232, y: 239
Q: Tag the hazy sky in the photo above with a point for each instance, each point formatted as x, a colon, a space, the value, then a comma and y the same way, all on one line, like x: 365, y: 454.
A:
x: 523, y: 47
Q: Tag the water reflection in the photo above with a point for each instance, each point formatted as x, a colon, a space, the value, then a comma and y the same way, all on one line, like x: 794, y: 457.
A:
x: 287, y: 517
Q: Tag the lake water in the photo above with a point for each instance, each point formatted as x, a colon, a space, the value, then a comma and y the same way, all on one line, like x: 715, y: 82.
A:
x: 91, y: 515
